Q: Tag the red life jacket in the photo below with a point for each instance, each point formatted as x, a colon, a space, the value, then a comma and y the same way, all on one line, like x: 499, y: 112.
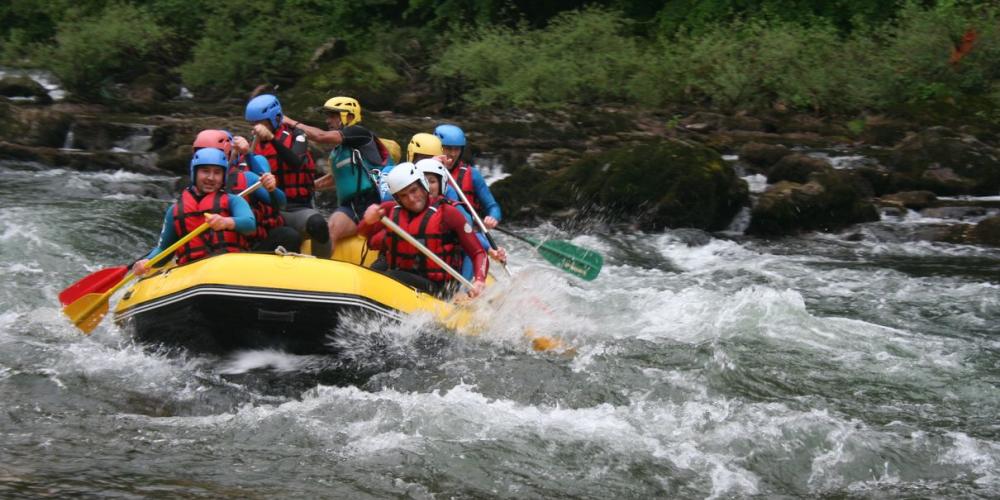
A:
x: 296, y: 183
x: 427, y: 228
x: 266, y: 215
x: 462, y: 173
x: 189, y: 213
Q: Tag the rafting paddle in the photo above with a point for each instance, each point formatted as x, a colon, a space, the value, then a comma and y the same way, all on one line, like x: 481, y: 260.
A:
x: 575, y: 260
x: 87, y: 311
x: 475, y: 216
x: 95, y: 282
x: 426, y: 251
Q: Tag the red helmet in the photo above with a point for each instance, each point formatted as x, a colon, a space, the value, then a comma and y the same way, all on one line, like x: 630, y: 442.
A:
x: 218, y: 139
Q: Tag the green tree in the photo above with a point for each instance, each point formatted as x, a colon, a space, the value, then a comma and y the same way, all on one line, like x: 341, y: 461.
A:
x: 117, y: 45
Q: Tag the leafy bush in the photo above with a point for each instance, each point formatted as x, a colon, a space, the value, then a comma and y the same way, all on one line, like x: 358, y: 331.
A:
x: 581, y: 57
x: 753, y: 64
x: 914, y: 63
x: 118, y: 44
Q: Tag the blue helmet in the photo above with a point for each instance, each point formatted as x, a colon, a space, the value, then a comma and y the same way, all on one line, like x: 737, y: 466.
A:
x: 208, y: 156
x: 264, y: 107
x: 450, y: 135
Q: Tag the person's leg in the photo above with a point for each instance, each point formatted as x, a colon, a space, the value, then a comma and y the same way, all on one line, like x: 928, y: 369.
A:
x: 341, y: 224
x: 283, y: 236
x: 322, y: 244
x: 309, y: 222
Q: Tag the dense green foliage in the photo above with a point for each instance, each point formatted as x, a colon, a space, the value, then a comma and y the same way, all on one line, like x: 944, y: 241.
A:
x: 823, y: 56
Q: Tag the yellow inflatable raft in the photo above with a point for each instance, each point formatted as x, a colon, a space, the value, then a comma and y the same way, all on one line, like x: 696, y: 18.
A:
x: 255, y: 301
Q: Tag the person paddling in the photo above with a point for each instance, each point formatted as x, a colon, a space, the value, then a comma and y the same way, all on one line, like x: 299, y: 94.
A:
x: 358, y: 155
x: 468, y: 177
x: 436, y: 175
x: 287, y: 151
x: 440, y: 226
x: 229, y: 216
x: 266, y: 203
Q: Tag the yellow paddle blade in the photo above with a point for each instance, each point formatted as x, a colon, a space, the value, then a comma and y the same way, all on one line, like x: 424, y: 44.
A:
x: 87, y: 311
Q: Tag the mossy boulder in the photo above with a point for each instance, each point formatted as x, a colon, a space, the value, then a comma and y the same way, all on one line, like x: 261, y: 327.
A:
x: 33, y: 125
x: 883, y: 131
x: 829, y: 201
x: 947, y: 162
x: 797, y: 167
x: 762, y: 155
x: 666, y: 184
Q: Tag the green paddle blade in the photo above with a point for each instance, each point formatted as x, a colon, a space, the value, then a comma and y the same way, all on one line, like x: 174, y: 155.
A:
x: 577, y: 261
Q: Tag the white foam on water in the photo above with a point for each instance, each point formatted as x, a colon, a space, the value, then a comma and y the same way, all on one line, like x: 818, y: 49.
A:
x: 131, y: 366
x: 125, y: 197
x: 245, y: 361
x: 757, y: 183
x: 982, y: 456
x: 970, y: 198
x: 19, y: 268
x: 710, y: 256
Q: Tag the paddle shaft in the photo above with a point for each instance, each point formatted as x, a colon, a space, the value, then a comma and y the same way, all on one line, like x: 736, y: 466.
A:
x: 475, y: 216
x: 426, y: 251
x: 522, y: 238
x: 153, y: 261
x: 540, y: 245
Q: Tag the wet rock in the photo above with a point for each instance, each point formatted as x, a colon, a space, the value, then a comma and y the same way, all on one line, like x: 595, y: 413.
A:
x: 33, y: 125
x: 914, y: 200
x: 99, y: 135
x: 797, y: 167
x: 762, y: 155
x: 952, y: 212
x: 22, y: 87
x: 704, y: 122
x: 948, y: 162
x: 670, y: 183
x: 800, y: 123
x: 987, y: 232
x: 883, y: 131
x: 829, y: 201
x: 79, y: 160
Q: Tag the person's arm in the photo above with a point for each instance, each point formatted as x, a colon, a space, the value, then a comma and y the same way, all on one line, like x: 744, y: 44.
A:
x: 167, y: 234
x: 371, y: 222
x: 277, y: 198
x: 242, y: 215
x: 295, y: 156
x: 486, y: 200
x: 377, y: 240
x: 258, y: 164
x: 315, y: 134
x: 454, y: 220
x: 167, y: 237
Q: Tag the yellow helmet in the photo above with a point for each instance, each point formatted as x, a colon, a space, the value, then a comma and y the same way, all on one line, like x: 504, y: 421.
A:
x: 344, y: 105
x: 427, y: 144
x: 395, y: 151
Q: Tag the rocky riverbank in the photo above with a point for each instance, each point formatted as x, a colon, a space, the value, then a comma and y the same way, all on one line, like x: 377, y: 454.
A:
x: 603, y: 166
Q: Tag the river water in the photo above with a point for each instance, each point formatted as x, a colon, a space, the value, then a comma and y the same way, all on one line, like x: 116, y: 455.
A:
x: 702, y: 366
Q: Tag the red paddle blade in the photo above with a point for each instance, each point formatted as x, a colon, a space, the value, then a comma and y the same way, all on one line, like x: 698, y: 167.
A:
x: 96, y: 282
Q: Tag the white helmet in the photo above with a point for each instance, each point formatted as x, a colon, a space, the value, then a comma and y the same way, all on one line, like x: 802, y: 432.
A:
x: 403, y: 175
x: 432, y: 166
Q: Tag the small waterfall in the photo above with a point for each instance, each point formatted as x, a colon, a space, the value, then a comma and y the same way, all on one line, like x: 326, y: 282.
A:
x: 491, y: 168
x: 68, y: 143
